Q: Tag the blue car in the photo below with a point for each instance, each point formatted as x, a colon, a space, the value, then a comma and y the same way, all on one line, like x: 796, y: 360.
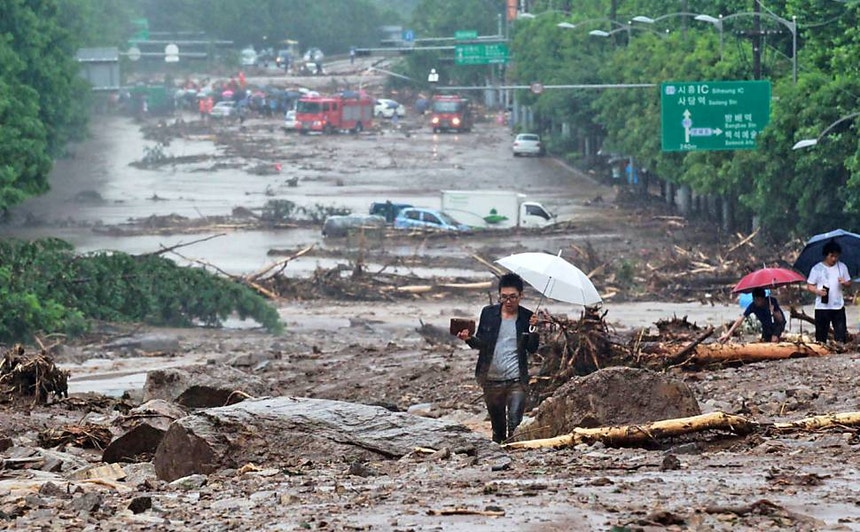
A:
x: 418, y: 218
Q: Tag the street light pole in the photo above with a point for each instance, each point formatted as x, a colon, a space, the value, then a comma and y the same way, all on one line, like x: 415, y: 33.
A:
x: 806, y: 143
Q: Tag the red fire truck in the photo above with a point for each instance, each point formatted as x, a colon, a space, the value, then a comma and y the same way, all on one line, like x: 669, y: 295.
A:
x: 350, y: 111
x: 450, y: 112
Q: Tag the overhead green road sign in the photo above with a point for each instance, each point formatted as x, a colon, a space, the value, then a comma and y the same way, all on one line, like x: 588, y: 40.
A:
x: 713, y: 115
x: 480, y: 54
x: 140, y: 27
x: 465, y: 35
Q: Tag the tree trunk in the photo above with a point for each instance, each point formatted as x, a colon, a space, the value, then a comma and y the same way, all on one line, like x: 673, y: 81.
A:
x: 640, y: 434
x: 755, y: 352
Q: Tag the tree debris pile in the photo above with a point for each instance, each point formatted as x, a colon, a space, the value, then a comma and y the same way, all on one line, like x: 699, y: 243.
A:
x: 353, y: 283
x: 691, y: 266
x: 87, y: 435
x: 31, y: 375
x: 574, y: 347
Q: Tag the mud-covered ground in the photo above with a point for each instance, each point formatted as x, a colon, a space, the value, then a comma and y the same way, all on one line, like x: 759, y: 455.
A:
x: 373, y: 352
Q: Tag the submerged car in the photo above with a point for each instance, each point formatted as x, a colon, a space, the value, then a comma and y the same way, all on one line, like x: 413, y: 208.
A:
x: 224, y: 109
x: 418, y: 218
x: 343, y: 224
x: 527, y: 144
x: 387, y: 209
x: 290, y: 120
x: 386, y: 108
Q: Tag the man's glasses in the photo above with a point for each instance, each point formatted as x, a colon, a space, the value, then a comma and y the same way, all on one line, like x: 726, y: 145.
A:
x: 508, y: 297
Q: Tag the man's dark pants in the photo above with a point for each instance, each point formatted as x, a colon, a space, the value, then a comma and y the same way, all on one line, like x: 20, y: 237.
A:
x: 506, y: 403
x: 823, y: 319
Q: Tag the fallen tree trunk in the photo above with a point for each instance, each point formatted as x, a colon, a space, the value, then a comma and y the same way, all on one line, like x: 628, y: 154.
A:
x: 639, y: 434
x: 755, y: 352
x: 844, y: 419
x: 682, y: 354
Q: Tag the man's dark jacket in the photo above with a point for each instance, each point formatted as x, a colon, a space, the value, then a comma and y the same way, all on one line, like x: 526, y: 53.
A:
x: 488, y: 332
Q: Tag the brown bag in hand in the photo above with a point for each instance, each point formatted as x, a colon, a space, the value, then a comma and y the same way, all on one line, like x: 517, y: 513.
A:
x: 458, y: 324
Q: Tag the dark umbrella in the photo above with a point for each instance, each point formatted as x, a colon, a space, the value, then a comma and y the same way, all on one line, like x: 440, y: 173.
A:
x: 812, y: 252
x: 767, y: 278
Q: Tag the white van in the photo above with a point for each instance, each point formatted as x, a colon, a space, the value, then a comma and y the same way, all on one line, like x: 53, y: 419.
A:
x: 248, y: 57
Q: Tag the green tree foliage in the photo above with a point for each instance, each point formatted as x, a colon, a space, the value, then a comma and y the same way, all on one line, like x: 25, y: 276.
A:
x: 47, y: 288
x: 331, y: 25
x: 43, y: 101
x: 792, y: 193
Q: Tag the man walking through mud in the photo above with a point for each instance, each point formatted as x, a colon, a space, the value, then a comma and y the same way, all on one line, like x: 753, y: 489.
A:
x: 504, y: 341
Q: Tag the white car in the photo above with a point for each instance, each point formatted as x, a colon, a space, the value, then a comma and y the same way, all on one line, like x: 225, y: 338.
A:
x: 385, y: 108
x: 223, y: 109
x: 290, y: 120
x: 527, y: 144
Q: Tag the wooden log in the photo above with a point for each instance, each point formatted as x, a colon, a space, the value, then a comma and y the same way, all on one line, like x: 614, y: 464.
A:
x: 755, y: 352
x: 639, y: 434
x: 844, y: 419
x: 682, y: 354
x: 480, y: 285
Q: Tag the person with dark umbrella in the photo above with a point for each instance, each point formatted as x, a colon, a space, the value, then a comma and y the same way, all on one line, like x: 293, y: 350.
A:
x: 826, y: 280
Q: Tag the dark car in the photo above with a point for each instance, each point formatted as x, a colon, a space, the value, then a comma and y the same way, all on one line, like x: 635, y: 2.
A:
x: 387, y: 209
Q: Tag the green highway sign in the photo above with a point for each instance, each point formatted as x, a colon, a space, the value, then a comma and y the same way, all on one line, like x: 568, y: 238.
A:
x: 465, y: 35
x: 713, y: 115
x: 480, y: 54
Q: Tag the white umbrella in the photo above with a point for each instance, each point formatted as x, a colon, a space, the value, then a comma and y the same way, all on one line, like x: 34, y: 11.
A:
x: 553, y: 277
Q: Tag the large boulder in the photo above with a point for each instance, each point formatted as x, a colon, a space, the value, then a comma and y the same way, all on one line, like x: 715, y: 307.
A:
x: 285, y: 431
x: 143, y: 428
x: 612, y: 396
x: 202, y: 386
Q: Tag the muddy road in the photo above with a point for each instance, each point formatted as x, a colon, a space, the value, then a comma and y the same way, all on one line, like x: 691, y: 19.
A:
x: 374, y: 353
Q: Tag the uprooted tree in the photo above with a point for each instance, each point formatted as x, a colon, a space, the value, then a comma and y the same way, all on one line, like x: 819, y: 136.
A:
x: 47, y: 288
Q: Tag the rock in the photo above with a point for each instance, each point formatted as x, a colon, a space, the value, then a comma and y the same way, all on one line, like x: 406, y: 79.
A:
x: 202, y: 386
x: 99, y: 471
x: 145, y: 426
x: 670, y: 463
x: 88, y: 502
x: 150, y: 343
x: 190, y: 482
x: 5, y: 443
x: 248, y: 360
x: 286, y: 430
x: 49, y: 489
x: 612, y: 396
x: 140, y: 504
x: 421, y: 409
x: 138, y: 474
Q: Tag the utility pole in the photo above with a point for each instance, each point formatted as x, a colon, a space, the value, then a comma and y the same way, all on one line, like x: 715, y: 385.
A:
x: 756, y: 40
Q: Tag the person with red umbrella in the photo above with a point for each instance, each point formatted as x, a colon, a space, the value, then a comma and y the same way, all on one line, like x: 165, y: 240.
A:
x: 767, y: 310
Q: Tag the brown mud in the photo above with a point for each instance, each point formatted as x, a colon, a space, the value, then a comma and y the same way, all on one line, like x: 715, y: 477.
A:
x: 367, y: 343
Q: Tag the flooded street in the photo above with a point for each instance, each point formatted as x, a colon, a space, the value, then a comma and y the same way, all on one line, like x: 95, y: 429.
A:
x: 397, y: 353
x: 99, y: 187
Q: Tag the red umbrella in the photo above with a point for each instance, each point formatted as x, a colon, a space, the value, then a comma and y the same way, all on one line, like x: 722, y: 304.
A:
x: 767, y: 278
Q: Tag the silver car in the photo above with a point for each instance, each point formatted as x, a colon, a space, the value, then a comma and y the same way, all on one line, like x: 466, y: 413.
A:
x: 528, y: 144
